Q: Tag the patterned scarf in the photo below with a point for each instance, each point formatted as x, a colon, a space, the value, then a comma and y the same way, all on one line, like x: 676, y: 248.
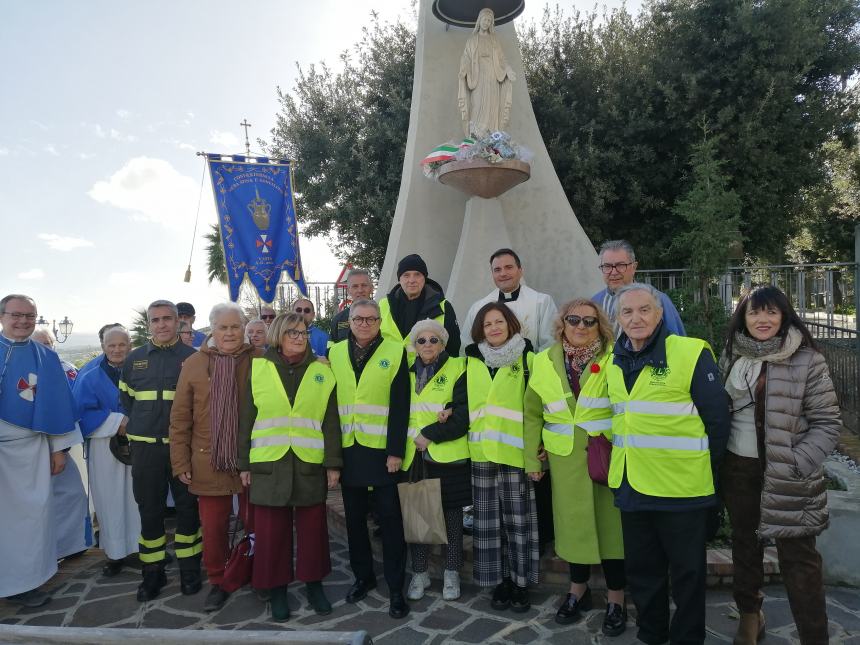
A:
x: 576, y: 358
x: 223, y: 413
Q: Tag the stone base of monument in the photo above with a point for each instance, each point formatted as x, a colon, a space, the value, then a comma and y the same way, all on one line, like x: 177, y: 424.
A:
x: 484, y: 232
x: 482, y: 178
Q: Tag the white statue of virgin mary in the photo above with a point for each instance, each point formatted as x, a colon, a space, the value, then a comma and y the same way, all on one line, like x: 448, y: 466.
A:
x: 484, y: 94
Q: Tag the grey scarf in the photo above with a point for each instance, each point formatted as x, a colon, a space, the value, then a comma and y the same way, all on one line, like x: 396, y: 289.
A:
x: 496, y: 357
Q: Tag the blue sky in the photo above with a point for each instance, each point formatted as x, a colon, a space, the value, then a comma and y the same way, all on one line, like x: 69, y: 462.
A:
x: 104, y: 104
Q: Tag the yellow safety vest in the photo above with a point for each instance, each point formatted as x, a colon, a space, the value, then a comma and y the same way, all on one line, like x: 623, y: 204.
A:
x: 364, y: 406
x: 593, y: 410
x: 496, y: 412
x: 558, y: 420
x: 389, y: 329
x: 657, y: 434
x: 424, y: 407
x: 281, y: 427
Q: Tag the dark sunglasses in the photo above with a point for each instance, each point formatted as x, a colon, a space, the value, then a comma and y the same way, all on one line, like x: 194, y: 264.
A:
x: 304, y: 310
x: 587, y: 321
x: 267, y: 317
x: 432, y: 340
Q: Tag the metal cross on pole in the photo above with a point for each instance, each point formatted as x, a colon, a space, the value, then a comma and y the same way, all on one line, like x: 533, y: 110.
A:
x: 246, y: 125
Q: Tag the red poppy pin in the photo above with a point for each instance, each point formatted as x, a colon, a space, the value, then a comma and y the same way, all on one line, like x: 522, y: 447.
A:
x: 595, y: 368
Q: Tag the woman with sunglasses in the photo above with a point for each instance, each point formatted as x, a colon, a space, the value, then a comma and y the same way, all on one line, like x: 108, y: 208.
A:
x: 587, y: 524
x: 505, y: 533
x: 438, y: 447
x: 785, y: 421
x: 290, y: 454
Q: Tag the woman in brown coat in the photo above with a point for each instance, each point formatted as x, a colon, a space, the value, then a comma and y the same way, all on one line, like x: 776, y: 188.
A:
x: 785, y: 421
x: 290, y: 454
x: 204, y: 424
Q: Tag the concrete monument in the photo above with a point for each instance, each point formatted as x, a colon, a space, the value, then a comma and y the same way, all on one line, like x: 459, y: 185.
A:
x: 476, y: 66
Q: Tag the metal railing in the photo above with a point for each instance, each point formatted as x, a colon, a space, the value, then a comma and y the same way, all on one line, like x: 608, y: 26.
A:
x: 840, y: 348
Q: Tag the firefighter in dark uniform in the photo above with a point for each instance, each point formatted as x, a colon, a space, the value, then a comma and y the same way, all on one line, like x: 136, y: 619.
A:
x: 147, y: 387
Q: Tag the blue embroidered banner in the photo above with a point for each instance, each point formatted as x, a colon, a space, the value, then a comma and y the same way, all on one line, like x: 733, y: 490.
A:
x: 257, y: 216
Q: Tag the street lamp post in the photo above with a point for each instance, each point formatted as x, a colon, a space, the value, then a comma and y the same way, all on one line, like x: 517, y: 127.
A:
x: 62, y: 331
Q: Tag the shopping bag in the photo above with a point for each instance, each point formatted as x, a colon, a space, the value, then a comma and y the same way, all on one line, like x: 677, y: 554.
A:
x: 421, y: 507
x: 240, y: 563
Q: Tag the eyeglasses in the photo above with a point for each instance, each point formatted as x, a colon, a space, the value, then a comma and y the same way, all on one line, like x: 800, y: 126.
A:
x: 267, y: 317
x: 621, y: 267
x: 432, y: 340
x: 365, y: 320
x: 16, y: 315
x: 304, y: 310
x: 297, y: 333
x: 587, y: 321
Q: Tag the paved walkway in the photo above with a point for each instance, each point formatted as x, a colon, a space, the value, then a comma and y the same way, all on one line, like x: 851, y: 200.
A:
x: 83, y: 598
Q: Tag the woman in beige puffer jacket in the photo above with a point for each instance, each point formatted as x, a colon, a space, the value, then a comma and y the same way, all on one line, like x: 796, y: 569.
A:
x: 785, y: 421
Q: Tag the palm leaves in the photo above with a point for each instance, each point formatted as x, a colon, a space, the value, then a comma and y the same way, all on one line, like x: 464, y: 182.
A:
x: 216, y: 268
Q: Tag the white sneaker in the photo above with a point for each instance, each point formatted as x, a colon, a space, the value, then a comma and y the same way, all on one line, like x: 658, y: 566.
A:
x: 451, y: 585
x: 419, y: 583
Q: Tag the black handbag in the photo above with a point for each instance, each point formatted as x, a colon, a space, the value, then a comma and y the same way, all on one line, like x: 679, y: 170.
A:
x: 120, y: 448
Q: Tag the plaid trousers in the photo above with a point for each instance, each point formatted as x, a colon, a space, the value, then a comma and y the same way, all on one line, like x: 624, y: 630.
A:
x: 505, y: 531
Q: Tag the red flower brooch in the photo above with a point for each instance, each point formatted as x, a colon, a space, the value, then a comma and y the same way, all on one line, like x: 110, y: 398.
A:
x: 595, y: 368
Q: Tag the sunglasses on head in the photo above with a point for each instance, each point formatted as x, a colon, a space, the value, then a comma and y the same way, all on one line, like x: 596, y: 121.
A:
x: 267, y: 317
x: 304, y: 310
x: 432, y: 340
x: 587, y: 321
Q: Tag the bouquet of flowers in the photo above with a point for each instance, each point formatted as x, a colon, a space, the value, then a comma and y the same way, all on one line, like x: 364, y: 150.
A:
x: 493, y: 147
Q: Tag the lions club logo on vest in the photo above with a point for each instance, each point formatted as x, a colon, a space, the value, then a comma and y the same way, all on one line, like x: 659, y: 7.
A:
x: 439, y: 382
x: 658, y: 375
x: 319, y: 378
x: 384, y: 363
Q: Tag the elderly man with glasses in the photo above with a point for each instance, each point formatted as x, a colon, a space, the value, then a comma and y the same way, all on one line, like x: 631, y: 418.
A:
x: 618, y: 266
x: 373, y: 393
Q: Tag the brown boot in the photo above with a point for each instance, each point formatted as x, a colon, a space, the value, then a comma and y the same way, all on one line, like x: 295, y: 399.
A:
x: 750, y: 629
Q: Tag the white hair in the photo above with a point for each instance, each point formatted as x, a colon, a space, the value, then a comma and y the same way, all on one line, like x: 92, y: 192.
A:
x: 428, y: 324
x: 364, y: 302
x: 640, y: 286
x: 255, y: 321
x: 222, y: 308
x: 617, y: 245
x: 116, y: 329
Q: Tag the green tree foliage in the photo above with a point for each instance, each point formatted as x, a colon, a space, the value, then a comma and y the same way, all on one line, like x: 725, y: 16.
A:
x: 139, y: 328
x: 347, y: 132
x: 216, y: 267
x: 618, y: 102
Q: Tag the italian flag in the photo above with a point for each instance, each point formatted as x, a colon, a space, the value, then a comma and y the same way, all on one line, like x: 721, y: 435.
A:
x: 445, y: 152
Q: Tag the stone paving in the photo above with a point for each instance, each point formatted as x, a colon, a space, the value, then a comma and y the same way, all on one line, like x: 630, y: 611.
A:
x: 83, y: 598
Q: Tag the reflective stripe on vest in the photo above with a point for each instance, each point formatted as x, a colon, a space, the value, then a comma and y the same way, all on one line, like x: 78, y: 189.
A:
x: 363, y: 407
x: 390, y: 331
x: 425, y: 407
x: 659, y: 440
x: 274, y: 433
x: 496, y: 412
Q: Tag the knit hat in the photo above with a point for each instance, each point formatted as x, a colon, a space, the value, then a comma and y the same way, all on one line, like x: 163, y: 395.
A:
x: 412, y: 262
x: 428, y: 324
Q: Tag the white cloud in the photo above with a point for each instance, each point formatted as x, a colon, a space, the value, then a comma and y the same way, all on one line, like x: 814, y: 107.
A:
x: 151, y: 190
x: 39, y: 125
x: 4, y: 151
x: 116, y: 135
x: 181, y: 145
x: 51, y: 149
x: 128, y: 278
x: 226, y: 139
x: 123, y: 114
x: 62, y: 243
x: 32, y: 274
x: 100, y: 131
x: 86, y: 156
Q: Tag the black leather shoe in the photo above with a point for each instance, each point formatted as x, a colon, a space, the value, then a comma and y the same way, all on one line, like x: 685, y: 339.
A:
x: 572, y: 607
x: 615, y: 620
x: 112, y: 568
x: 154, y: 579
x: 189, y: 582
x: 398, y: 608
x: 358, y: 591
x: 502, y: 595
x: 215, y: 599
x: 520, y: 599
